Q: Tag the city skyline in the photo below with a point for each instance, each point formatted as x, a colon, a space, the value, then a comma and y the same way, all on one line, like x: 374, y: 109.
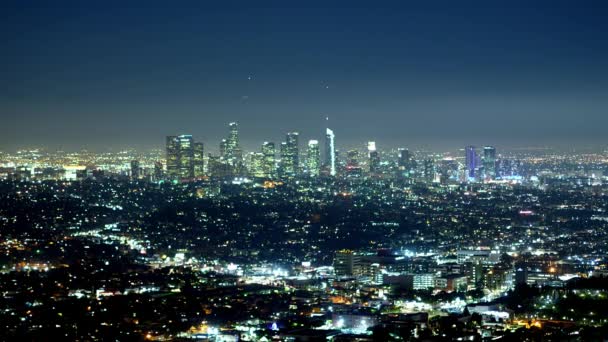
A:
x: 304, y: 171
x: 419, y: 75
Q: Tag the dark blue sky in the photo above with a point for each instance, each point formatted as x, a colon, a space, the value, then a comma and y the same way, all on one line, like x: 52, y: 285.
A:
x: 97, y: 75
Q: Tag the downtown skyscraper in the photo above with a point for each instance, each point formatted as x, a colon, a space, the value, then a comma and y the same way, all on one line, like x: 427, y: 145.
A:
x: 330, y: 151
x: 180, y: 157
x: 269, y: 163
x: 199, y: 159
x: 290, y: 155
x: 230, y: 147
x: 374, y: 158
x: 470, y: 162
x: 405, y: 162
x: 489, y: 162
x: 313, y: 164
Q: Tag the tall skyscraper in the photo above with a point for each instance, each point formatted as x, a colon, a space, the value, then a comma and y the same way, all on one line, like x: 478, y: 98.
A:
x: 158, y: 171
x: 429, y: 170
x: 269, y: 152
x: 374, y: 158
x: 233, y: 152
x: 172, y: 146
x: 223, y: 146
x: 199, y: 159
x: 257, y: 164
x: 290, y: 155
x: 135, y: 169
x: 180, y: 157
x: 218, y: 168
x: 330, y: 151
x: 314, y: 158
x: 470, y: 161
x: 405, y: 162
x: 404, y: 158
x: 489, y: 162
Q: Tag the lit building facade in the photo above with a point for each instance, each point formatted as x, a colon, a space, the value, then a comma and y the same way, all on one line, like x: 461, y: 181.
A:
x: 374, y: 158
x: 330, y: 151
x: 199, y: 159
x: 290, y: 155
x: 314, y: 158
x: 470, y: 156
x: 269, y: 152
x: 489, y: 162
x: 180, y: 157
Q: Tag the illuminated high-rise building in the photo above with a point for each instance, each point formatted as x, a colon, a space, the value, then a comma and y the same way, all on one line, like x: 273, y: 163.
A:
x: 283, y: 159
x: 489, y: 162
x: 405, y: 162
x: 232, y: 143
x: 352, y: 159
x: 199, y: 159
x: 233, y: 153
x: 158, y: 171
x: 429, y: 170
x: 269, y: 152
x: 330, y: 151
x: 374, y: 157
x: 256, y: 164
x: 180, y: 157
x: 290, y: 155
x: 173, y: 157
x: 223, y: 145
x: 347, y: 263
x: 314, y: 158
x: 135, y: 169
x: 470, y: 162
x: 186, y: 161
x: 352, y: 164
x: 405, y: 159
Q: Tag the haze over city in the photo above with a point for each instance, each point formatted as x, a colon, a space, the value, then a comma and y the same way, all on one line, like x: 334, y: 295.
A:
x: 80, y: 75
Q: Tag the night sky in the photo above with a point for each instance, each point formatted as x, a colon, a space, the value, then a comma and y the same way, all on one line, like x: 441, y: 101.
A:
x: 89, y: 74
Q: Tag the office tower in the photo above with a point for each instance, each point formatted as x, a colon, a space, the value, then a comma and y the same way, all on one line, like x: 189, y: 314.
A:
x: 199, y: 159
x: 352, y: 159
x: 429, y: 170
x: 180, y: 157
x: 330, y: 151
x: 470, y: 162
x: 257, y: 164
x: 223, y: 145
x: 405, y: 159
x: 233, y: 135
x: 314, y: 158
x: 172, y: 157
x: 352, y: 164
x: 448, y: 169
x: 489, y: 162
x: 405, y: 163
x: 218, y: 168
x: 232, y: 143
x: 283, y: 155
x: 268, y: 150
x: 233, y: 152
x: 346, y: 263
x: 186, y: 153
x: 290, y: 155
x: 158, y: 171
x: 135, y: 169
x: 374, y: 158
